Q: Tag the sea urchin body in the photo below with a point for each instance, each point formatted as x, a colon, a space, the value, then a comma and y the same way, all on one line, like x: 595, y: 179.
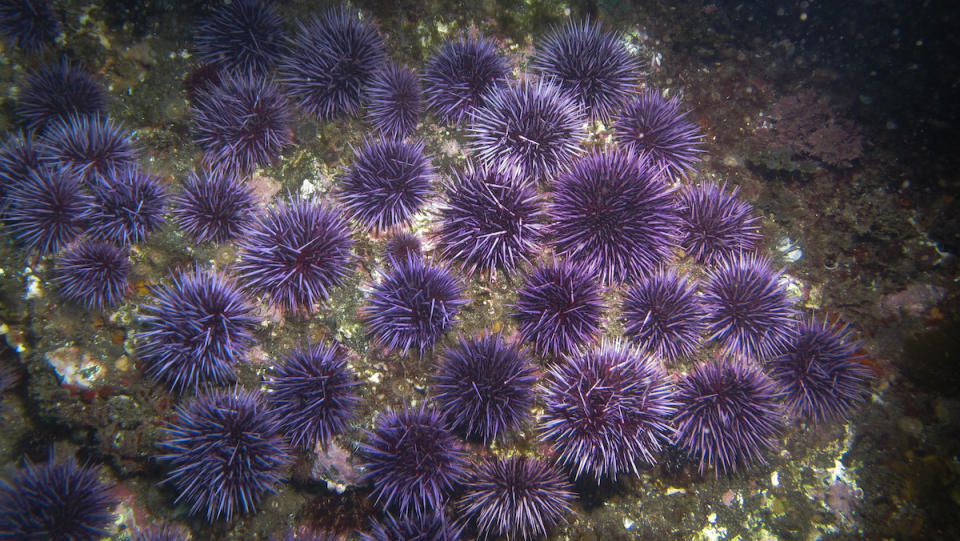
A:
x: 458, y: 76
x: 244, y: 36
x: 654, y: 127
x: 393, y: 101
x: 93, y: 273
x: 47, y: 209
x: 662, y: 315
x: 214, y: 206
x: 715, y: 224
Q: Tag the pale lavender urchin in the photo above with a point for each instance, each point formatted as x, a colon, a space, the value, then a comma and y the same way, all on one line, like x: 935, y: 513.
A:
x: 715, y: 224
x: 662, y: 315
x: 128, y: 206
x: 93, y: 273
x: 393, y: 101
x: 244, y: 36
x: 214, y: 206
x: 459, y: 75
x: 654, y: 127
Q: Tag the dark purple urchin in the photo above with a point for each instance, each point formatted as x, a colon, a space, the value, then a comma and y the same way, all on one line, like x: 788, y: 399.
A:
x: 161, y: 533
x: 58, y: 91
x: 413, y: 461
x: 331, y: 62
x: 195, y: 330
x: 28, y: 24
x: 653, y: 126
x: 225, y: 451
x: 295, y: 253
x: 313, y: 395
x: 388, y: 182
x: 748, y: 311
x: 93, y: 273
x: 728, y: 414
x: 245, y: 36
x: 128, y: 206
x: 517, y: 498
x: 457, y: 77
x: 592, y: 65
x: 413, y: 305
x: 485, y: 387
x: 18, y: 156
x: 214, y: 206
x: 715, y: 224
x: 242, y: 123
x: 61, y: 501
x: 821, y: 373
x: 393, y: 101
x: 534, y: 129
x: 558, y: 308
x: 606, y: 410
x: 90, y: 146
x: 490, y: 220
x: 47, y: 209
x: 430, y: 527
x: 403, y: 245
x: 662, y: 315
x: 612, y: 211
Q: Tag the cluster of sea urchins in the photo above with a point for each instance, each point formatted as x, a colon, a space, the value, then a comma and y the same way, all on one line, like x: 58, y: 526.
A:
x: 572, y: 230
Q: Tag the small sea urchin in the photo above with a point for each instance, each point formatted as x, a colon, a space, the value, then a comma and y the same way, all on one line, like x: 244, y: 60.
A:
x: 214, y: 206
x: 459, y: 74
x: 128, y: 206
x: 93, y: 273
x: 654, y: 127
x: 429, y: 527
x: 28, y: 24
x: 662, y: 315
x: 47, y: 209
x: 244, y: 36
x: 57, y: 92
x: 715, y: 224
x: 393, y: 101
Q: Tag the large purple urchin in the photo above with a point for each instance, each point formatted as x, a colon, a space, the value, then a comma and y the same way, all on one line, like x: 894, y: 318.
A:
x: 245, y: 36
x: 393, y: 101
x: 613, y: 212
x: 128, y: 206
x: 715, y: 224
x: 242, y: 123
x: 821, y: 373
x: 195, y: 330
x: 57, y: 92
x: 517, y: 498
x: 662, y: 315
x: 331, y: 62
x: 61, y: 501
x: 312, y: 394
x: 430, y: 527
x: 458, y: 76
x: 413, y: 460
x: 295, y: 253
x: 90, y: 146
x: 93, y: 273
x: 654, y: 127
x: 748, y: 311
x: 388, y: 182
x: 28, y: 24
x: 558, y: 308
x: 225, y: 451
x: 214, y: 206
x: 490, y: 220
x: 413, y: 305
x: 606, y: 410
x: 728, y: 414
x: 485, y: 386
x: 534, y: 129
x: 47, y: 209
x: 592, y: 65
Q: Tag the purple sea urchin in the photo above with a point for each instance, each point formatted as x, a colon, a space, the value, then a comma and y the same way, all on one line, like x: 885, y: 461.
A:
x: 606, y: 410
x: 728, y: 414
x: 28, y: 24
x: 214, y: 206
x: 58, y: 91
x: 558, y: 308
x: 195, y: 330
x: 457, y: 77
x: 484, y: 386
x: 331, y: 61
x: 534, y: 129
x: 715, y: 224
x: 225, y: 451
x: 403, y: 245
x: 56, y: 501
x: 296, y: 252
x: 413, y: 460
x: 614, y: 212
x: 820, y: 372
x: 748, y: 311
x: 592, y: 65
x: 243, y: 123
x: 654, y: 127
x: 490, y: 220
x: 429, y: 527
x: 245, y: 36
x: 47, y: 209
x: 18, y: 156
x: 413, y: 305
x: 128, y: 206
x: 393, y: 101
x: 90, y: 146
x: 312, y: 395
x: 387, y: 183
x: 662, y: 315
x: 516, y: 498
x: 93, y: 273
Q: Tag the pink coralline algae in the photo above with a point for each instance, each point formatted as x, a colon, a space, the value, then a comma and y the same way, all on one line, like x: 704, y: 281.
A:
x: 809, y: 126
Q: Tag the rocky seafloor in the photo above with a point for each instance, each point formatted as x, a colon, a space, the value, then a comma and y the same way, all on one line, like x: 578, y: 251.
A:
x: 832, y: 124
